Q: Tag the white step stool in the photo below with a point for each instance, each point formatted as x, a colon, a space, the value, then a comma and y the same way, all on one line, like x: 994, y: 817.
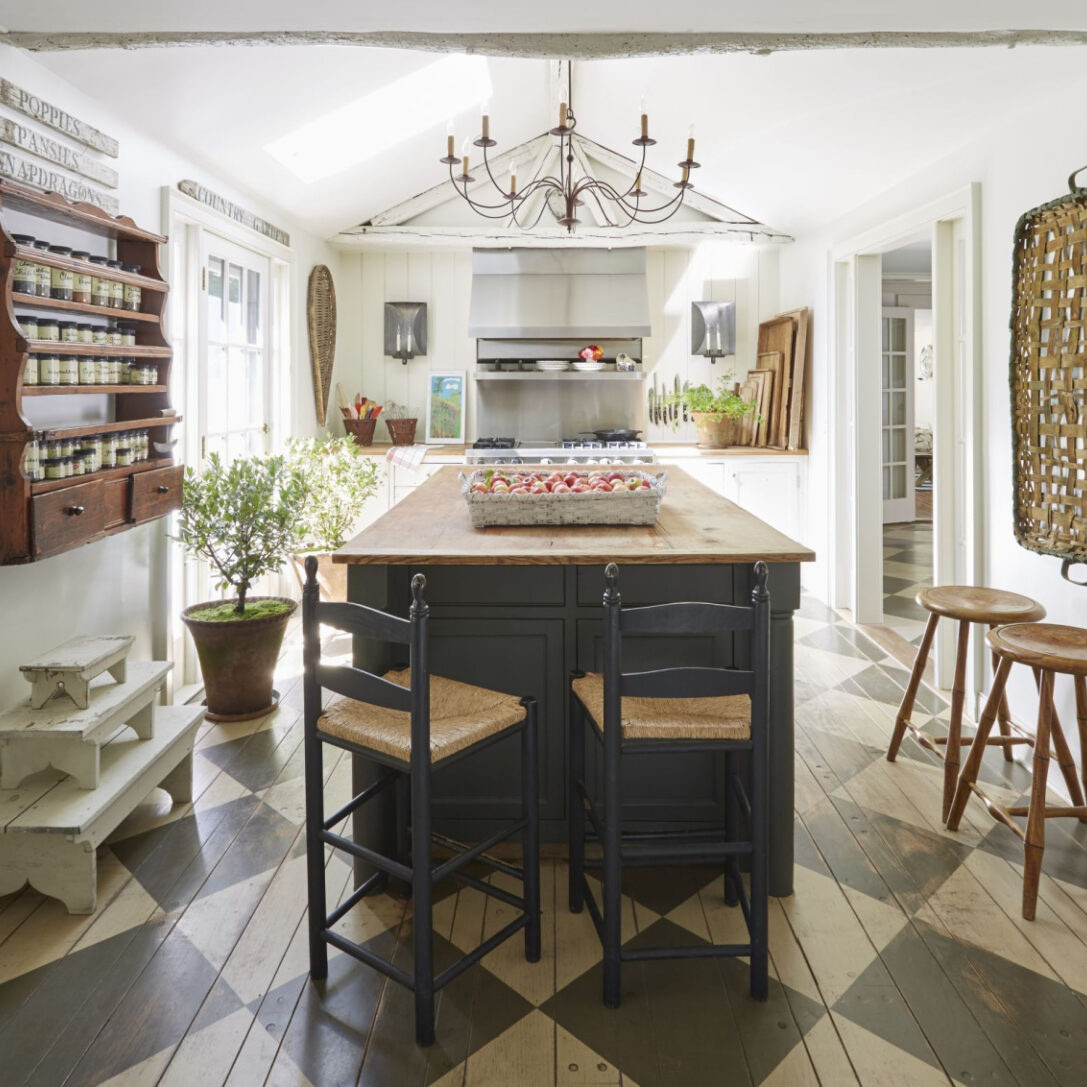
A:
x: 51, y: 827
x: 71, y: 667
x: 55, y: 735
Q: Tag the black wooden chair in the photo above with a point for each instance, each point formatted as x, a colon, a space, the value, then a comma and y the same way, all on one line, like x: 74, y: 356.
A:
x: 411, y: 723
x: 691, y: 710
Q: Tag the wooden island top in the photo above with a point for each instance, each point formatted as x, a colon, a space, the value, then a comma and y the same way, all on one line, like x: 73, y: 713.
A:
x: 697, y: 525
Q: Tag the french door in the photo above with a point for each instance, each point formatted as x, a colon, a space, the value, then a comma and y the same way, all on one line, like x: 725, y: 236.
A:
x: 234, y: 355
x: 896, y: 380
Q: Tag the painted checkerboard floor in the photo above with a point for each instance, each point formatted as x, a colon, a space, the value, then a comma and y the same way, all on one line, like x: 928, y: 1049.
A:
x: 900, y: 959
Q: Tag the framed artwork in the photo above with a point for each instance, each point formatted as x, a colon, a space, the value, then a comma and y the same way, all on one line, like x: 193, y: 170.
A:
x: 445, y: 407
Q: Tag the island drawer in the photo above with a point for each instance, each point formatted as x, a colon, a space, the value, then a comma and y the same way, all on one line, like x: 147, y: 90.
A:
x: 499, y: 586
x: 67, y: 518
x: 658, y: 584
x: 156, y: 493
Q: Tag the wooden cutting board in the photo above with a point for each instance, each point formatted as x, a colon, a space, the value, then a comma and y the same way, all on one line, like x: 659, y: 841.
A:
x: 765, y: 380
x: 795, y: 437
x: 778, y: 335
x: 774, y: 363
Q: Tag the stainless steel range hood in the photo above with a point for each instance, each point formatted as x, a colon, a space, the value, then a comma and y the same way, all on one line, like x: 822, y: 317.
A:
x: 558, y: 294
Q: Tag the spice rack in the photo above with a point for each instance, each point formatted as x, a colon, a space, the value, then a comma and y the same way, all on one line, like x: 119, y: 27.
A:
x: 40, y: 518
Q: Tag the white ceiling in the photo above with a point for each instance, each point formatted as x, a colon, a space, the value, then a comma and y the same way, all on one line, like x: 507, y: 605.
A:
x: 794, y: 139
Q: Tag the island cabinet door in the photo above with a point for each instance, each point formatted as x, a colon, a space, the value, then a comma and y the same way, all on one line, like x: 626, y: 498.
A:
x: 521, y: 656
x: 660, y: 788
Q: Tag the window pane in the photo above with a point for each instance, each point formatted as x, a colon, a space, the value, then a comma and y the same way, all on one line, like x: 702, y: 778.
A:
x: 252, y: 307
x: 234, y: 301
x: 256, y: 441
x: 886, y: 371
x: 898, y: 444
x: 238, y: 384
x: 886, y: 409
x: 255, y: 390
x: 898, y: 408
x: 216, y: 313
x: 237, y: 446
x: 886, y: 445
x: 217, y: 410
x: 216, y: 445
x: 886, y: 333
x: 886, y: 483
x: 898, y: 334
x: 898, y: 481
x: 898, y: 371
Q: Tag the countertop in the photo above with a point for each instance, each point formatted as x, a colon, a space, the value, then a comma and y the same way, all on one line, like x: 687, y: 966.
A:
x: 431, y: 526
x: 667, y: 451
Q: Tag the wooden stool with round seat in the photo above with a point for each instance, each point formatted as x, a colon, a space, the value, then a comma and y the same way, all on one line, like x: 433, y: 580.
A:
x: 967, y: 604
x: 1048, y: 649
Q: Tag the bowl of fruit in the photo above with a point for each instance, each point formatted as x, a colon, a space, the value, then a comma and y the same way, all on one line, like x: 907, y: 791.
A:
x: 508, y: 496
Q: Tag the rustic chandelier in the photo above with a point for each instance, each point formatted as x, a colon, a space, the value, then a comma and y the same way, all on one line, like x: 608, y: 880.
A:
x: 617, y: 209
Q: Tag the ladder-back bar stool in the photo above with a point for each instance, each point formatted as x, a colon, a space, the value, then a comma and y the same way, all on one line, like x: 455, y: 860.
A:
x: 412, y: 723
x: 687, y: 710
x: 1049, y: 649
x: 967, y: 604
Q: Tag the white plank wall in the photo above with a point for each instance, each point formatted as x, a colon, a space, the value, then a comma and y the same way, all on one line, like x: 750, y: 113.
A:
x: 442, y: 278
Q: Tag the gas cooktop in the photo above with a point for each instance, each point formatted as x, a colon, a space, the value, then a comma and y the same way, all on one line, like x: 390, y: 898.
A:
x: 566, y: 451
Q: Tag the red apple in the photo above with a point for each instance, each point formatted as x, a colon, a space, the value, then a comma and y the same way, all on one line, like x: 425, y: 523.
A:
x: 560, y: 488
x: 602, y: 487
x: 616, y: 477
x: 580, y: 487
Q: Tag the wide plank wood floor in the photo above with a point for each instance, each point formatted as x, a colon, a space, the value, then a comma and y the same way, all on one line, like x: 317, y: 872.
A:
x: 900, y: 959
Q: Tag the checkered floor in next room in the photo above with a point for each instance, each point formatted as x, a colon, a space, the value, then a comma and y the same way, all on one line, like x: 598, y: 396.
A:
x: 901, y: 958
x: 907, y: 569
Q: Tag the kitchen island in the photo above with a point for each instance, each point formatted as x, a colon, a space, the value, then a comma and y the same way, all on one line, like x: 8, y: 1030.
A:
x: 517, y: 609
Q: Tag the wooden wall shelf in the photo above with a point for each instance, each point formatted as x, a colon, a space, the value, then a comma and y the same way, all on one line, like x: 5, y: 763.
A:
x: 42, y: 518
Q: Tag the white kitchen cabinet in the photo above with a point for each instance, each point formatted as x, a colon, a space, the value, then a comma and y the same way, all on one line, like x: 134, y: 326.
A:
x: 402, y: 481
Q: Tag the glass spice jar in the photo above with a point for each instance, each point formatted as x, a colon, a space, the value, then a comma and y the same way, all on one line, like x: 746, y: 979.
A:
x: 28, y: 322
x: 32, y: 465
x: 133, y: 293
x: 113, y: 334
x: 25, y: 275
x: 69, y: 370
x: 109, y: 451
x: 101, y: 284
x: 142, y: 372
x: 82, y: 285
x: 53, y: 468
x: 101, y: 371
x: 90, y: 463
x: 117, y: 288
x: 30, y: 370
x: 69, y: 331
x: 67, y: 447
x: 116, y: 372
x: 48, y: 328
x: 128, y: 335
x: 86, y: 333
x: 100, y: 335
x: 124, y: 456
x: 62, y: 279
x: 88, y: 371
x: 49, y: 369
x: 45, y: 273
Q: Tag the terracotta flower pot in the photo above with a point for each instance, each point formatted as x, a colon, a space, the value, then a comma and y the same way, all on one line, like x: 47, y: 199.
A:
x: 362, y: 430
x: 717, y: 432
x: 238, y: 660
x: 402, y: 431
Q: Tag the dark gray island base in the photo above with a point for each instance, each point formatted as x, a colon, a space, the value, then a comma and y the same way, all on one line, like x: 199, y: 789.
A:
x: 518, y: 609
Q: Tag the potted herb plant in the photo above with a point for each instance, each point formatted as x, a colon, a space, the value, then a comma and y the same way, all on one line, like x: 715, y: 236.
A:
x: 718, y: 414
x: 338, y: 480
x: 243, y: 519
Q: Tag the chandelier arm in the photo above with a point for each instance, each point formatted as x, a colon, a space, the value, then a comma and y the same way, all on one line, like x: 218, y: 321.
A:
x: 620, y: 199
x: 670, y: 207
x: 487, y: 165
x: 638, y: 172
x: 478, y: 205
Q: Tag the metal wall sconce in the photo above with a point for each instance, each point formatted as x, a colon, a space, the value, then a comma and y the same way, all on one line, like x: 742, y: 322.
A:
x: 405, y: 330
x: 713, y: 329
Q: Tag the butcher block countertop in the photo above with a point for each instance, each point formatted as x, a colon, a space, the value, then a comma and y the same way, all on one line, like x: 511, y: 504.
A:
x: 431, y: 526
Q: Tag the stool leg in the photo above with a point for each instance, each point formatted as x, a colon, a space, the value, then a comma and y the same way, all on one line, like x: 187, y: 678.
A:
x: 530, y: 776
x: 1034, y: 847
x: 1004, y: 716
x: 421, y: 888
x: 577, y: 809
x: 732, y: 821
x: 1065, y: 759
x: 952, y: 753
x: 1081, y: 722
x: 977, y: 750
x: 905, y: 711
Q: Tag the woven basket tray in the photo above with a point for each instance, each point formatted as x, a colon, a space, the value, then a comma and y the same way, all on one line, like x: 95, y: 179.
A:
x: 640, y: 507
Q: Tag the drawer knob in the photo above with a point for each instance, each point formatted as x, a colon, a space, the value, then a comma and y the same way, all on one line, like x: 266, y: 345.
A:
x: 162, y: 488
x: 75, y: 511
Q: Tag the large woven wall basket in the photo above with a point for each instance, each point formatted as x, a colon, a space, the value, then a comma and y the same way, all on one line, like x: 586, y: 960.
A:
x: 1049, y: 376
x: 321, y: 319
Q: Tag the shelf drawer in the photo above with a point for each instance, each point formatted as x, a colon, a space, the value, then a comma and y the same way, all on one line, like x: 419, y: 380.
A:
x: 115, y: 502
x: 156, y: 493
x: 64, y: 519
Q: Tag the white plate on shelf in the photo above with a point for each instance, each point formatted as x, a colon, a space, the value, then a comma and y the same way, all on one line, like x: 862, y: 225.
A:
x: 587, y: 367
x: 552, y: 364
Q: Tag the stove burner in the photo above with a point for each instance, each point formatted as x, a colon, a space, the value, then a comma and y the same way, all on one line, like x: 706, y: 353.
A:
x: 494, y: 443
x: 580, y: 443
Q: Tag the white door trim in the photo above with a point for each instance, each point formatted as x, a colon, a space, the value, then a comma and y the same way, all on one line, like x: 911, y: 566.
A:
x: 952, y: 222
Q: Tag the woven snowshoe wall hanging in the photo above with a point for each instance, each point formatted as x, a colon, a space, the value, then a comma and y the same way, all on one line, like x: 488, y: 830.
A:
x: 321, y: 317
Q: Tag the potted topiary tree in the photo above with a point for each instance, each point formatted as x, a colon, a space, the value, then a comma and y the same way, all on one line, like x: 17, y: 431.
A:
x: 718, y: 416
x: 242, y: 518
x: 339, y: 479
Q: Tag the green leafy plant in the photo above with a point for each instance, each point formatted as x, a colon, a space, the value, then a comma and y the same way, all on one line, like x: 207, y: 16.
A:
x: 242, y: 518
x: 723, y: 403
x: 338, y: 480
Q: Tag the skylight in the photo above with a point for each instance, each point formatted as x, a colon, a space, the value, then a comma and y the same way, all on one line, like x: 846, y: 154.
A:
x: 367, y: 127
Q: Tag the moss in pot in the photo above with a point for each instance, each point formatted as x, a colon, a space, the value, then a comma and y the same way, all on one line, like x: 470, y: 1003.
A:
x: 718, y: 415
x: 243, y: 520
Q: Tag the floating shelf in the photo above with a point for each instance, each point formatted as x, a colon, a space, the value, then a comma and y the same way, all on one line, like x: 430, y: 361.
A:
x: 107, y: 428
x: 559, y: 375
x: 106, y: 474
x: 54, y: 260
x: 86, y: 390
x: 98, y: 350
x: 34, y: 301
